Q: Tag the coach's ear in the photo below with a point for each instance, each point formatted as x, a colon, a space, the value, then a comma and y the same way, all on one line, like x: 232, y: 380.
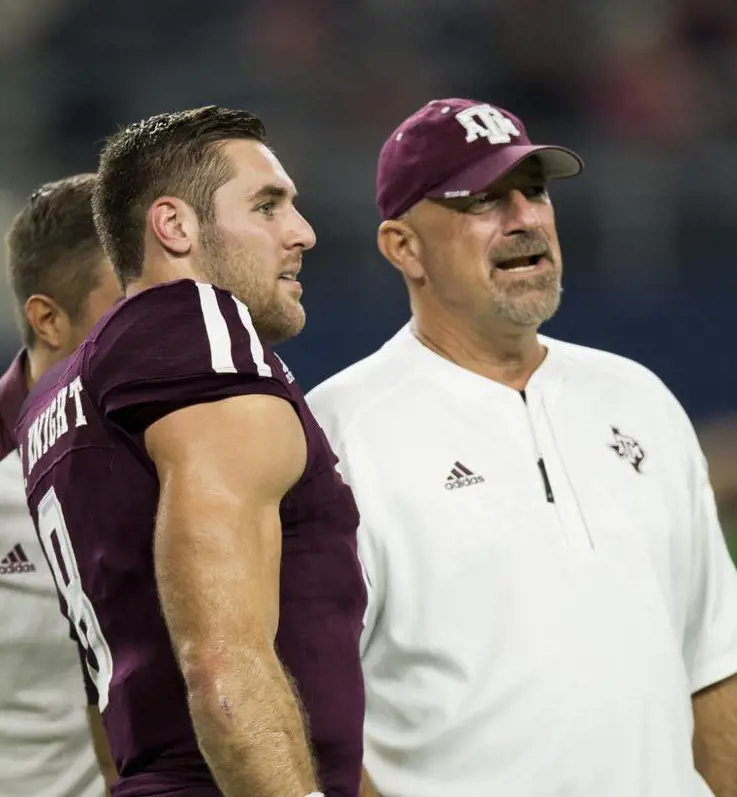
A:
x: 400, y: 245
x: 174, y: 225
x: 50, y: 323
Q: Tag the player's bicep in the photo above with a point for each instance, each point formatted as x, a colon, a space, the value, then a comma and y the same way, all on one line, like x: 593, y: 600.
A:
x: 223, y: 469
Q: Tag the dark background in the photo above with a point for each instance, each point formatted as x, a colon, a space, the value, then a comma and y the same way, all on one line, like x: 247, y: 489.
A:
x: 643, y: 89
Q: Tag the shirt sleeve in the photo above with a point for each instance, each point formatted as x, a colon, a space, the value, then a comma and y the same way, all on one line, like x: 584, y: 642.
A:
x: 710, y: 639
x: 175, y: 345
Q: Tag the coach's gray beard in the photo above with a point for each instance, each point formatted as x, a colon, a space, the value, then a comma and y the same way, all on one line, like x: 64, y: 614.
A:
x: 529, y: 302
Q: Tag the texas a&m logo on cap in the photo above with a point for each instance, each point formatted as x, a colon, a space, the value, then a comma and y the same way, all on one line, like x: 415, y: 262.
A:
x: 485, y: 121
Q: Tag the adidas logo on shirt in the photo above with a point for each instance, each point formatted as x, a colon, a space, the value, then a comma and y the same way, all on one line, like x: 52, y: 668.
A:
x: 16, y: 562
x: 461, y: 476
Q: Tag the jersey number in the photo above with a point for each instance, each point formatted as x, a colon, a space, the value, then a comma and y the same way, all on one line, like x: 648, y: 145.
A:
x: 54, y: 536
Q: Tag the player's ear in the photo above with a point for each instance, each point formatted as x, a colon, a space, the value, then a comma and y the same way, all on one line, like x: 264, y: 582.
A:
x: 401, y: 246
x: 50, y: 323
x: 174, y: 224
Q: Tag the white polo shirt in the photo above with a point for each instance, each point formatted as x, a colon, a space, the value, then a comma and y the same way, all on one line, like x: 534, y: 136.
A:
x: 548, y: 580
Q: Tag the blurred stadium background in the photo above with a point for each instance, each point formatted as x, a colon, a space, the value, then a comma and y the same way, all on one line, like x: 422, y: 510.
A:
x: 644, y: 89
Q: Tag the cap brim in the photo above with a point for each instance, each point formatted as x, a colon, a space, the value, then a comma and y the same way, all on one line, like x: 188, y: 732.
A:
x: 557, y: 163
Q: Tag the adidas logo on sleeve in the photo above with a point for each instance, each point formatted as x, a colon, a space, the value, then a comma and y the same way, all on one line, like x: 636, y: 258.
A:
x: 16, y: 562
x: 461, y: 476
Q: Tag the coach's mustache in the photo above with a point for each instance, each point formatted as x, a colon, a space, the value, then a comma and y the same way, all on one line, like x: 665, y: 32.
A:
x: 527, y: 244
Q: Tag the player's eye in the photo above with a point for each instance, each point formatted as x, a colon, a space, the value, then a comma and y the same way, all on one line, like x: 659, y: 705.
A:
x: 266, y: 208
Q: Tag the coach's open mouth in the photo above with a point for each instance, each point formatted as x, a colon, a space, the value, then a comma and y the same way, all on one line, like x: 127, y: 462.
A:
x: 520, y: 265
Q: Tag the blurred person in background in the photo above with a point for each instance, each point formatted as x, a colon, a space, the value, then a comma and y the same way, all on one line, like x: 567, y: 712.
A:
x: 552, y: 608
x: 224, y: 560
x: 62, y: 284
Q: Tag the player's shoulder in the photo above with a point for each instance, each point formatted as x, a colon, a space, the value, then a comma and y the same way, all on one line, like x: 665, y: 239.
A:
x: 173, y: 330
x: 367, y: 384
x: 12, y: 395
x: 57, y: 379
x: 162, y: 310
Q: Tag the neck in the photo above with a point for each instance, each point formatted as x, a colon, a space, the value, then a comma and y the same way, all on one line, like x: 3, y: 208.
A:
x: 161, y: 270
x: 38, y: 361
x: 509, y: 356
x: 136, y: 286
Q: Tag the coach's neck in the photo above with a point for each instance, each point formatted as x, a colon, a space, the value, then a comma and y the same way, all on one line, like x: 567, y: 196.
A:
x: 504, y: 352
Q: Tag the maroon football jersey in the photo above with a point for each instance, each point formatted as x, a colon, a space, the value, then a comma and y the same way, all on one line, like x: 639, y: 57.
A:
x: 93, y: 494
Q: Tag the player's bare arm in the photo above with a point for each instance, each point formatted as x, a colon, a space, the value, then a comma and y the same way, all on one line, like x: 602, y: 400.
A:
x: 715, y: 736
x: 102, y: 747
x: 224, y: 468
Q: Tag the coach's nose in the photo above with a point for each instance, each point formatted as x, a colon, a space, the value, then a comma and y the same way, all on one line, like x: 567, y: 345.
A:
x: 520, y: 214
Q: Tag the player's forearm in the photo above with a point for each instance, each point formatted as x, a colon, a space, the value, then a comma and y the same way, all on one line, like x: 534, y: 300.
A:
x: 249, y: 727
x: 715, y: 736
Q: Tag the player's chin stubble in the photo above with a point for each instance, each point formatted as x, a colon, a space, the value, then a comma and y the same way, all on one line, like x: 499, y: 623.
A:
x: 279, y: 321
x: 529, y: 302
x: 275, y: 318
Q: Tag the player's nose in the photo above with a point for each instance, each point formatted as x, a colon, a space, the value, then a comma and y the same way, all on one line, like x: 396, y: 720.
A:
x: 301, y: 233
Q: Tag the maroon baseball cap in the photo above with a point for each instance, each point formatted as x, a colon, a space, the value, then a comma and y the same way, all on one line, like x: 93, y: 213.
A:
x: 455, y: 147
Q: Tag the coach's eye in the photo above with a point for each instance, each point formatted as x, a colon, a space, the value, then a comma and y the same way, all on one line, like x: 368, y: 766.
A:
x: 536, y: 192
x: 482, y: 202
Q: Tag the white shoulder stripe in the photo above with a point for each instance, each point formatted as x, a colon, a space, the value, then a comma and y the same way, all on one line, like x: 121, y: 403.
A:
x: 221, y: 354
x: 257, y: 350
x: 218, y: 334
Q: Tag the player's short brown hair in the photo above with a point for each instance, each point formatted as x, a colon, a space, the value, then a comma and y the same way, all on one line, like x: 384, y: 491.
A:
x: 172, y: 153
x: 53, y: 248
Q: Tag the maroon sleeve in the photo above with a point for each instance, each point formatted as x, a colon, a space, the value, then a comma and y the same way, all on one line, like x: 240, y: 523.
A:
x: 174, y: 345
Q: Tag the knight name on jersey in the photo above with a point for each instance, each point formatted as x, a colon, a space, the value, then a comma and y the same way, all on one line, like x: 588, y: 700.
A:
x: 53, y: 423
